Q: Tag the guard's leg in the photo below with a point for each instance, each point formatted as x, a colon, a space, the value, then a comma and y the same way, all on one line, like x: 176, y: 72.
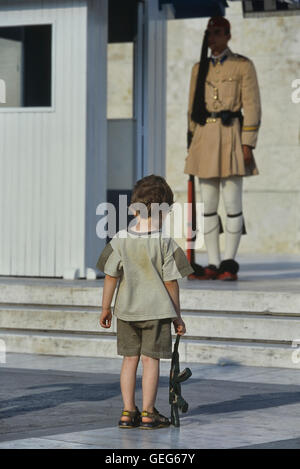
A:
x: 232, y: 188
x: 210, y: 192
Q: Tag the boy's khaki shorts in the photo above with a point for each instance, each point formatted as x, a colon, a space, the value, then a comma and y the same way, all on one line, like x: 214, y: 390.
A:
x: 152, y: 338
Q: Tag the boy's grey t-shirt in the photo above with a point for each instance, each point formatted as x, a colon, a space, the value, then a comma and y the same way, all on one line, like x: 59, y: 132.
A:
x: 143, y: 261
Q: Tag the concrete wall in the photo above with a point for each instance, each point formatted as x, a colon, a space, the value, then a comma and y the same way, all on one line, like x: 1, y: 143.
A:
x: 271, y: 199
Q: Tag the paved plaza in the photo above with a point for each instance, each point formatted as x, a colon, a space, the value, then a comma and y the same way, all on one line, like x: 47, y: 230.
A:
x: 74, y: 402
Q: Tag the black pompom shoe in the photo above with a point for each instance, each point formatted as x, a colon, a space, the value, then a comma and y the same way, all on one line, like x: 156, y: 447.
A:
x: 228, y: 270
x: 210, y: 272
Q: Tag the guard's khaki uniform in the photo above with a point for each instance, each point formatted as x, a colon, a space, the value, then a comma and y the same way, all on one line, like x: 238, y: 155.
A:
x: 216, y: 150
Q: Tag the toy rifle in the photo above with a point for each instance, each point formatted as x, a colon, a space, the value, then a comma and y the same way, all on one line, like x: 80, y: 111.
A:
x: 176, y: 378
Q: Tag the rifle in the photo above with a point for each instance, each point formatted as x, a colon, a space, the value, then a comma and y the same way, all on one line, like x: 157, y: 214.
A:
x: 192, y: 223
x: 199, y: 114
x: 176, y: 378
x: 199, y: 271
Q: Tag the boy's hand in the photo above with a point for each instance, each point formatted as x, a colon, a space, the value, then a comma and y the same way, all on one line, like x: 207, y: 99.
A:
x: 105, y: 318
x: 179, y: 326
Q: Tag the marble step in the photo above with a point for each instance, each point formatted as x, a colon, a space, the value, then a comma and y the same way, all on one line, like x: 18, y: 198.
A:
x: 59, y: 318
x: 226, y: 325
x: 57, y: 292
x: 197, y: 351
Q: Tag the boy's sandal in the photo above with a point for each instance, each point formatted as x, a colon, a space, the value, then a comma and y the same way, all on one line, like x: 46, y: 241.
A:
x: 133, y: 421
x: 158, y: 420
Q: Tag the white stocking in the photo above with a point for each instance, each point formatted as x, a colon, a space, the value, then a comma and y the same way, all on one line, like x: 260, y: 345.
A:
x: 210, y: 190
x: 232, y: 197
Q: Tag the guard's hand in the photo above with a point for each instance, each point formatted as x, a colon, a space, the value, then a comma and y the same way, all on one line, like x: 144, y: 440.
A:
x: 248, y: 155
x: 179, y: 326
x: 105, y: 318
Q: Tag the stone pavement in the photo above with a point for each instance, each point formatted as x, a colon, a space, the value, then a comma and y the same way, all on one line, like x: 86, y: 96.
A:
x: 75, y: 402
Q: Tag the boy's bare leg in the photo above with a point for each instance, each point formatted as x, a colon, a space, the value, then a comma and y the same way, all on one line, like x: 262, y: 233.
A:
x: 128, y: 382
x: 149, y: 383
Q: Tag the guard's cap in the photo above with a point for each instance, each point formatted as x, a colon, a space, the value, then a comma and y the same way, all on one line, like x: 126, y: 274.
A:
x: 218, y: 21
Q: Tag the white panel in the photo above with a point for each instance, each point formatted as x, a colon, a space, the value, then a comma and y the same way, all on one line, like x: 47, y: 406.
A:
x: 43, y: 153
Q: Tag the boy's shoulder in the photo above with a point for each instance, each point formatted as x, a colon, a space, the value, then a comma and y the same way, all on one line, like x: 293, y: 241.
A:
x: 169, y: 245
x: 116, y: 240
x: 121, y: 234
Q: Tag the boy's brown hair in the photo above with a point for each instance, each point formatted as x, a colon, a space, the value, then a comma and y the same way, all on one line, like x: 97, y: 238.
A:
x: 152, y: 189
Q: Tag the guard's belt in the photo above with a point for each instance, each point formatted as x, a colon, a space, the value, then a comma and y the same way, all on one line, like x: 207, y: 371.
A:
x: 226, y: 116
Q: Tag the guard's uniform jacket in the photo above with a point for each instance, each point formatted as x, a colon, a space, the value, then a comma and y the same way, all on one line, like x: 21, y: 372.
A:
x: 216, y: 150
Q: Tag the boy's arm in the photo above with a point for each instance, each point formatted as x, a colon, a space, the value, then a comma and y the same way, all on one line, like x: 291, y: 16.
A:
x: 110, y: 284
x: 173, y: 290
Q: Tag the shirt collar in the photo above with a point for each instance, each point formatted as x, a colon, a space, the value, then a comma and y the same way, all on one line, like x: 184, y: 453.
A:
x: 221, y: 57
x: 140, y: 233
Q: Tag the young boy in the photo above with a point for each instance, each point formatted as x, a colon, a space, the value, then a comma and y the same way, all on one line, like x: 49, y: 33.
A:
x: 148, y: 265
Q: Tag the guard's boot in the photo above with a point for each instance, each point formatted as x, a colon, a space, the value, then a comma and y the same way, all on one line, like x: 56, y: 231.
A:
x: 198, y: 273
x: 209, y: 272
x: 228, y: 270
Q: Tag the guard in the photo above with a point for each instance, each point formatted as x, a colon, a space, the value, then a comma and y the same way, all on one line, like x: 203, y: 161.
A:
x: 224, y: 115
